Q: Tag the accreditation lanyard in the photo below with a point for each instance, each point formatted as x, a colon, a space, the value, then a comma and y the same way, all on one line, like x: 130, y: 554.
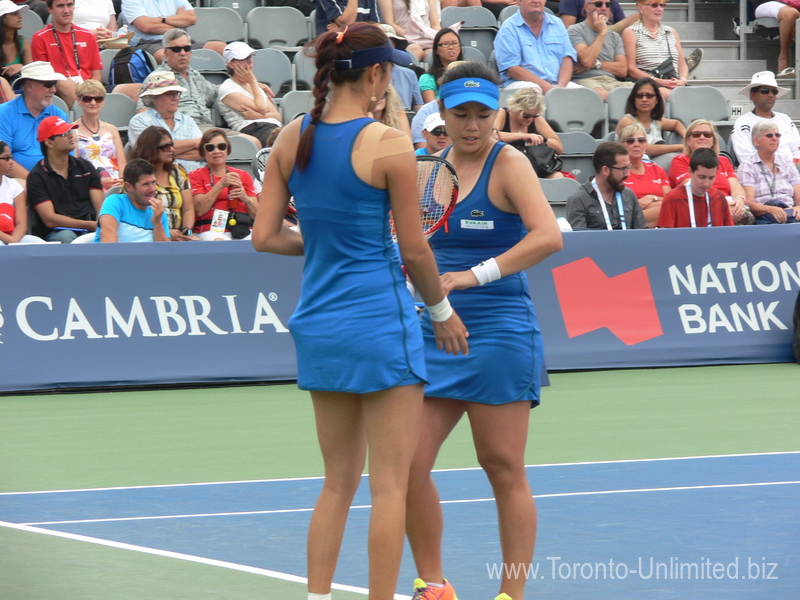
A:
x: 74, y: 49
x: 690, y: 197
x: 620, y: 207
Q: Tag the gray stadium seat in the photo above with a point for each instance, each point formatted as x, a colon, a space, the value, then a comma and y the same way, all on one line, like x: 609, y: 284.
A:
x: 507, y: 12
x: 217, y: 23
x: 473, y: 16
x: 210, y: 64
x: 295, y: 103
x: 240, y: 6
x: 574, y: 109
x: 282, y: 27
x: 474, y: 54
x: 615, y: 103
x: 31, y: 23
x: 273, y: 67
x: 305, y: 68
x: 107, y: 55
x: 57, y: 101
x: 557, y: 191
x: 577, y: 156
x: 242, y: 152
x: 697, y: 102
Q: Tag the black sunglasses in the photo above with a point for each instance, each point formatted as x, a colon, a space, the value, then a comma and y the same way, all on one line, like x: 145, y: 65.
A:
x: 211, y: 147
x: 767, y: 90
x: 179, y: 49
x: 438, y: 131
x: 48, y: 84
x: 631, y: 140
x: 600, y: 4
x: 771, y: 135
x: 7, y: 158
x: 87, y: 99
x: 647, y: 95
x: 167, y: 146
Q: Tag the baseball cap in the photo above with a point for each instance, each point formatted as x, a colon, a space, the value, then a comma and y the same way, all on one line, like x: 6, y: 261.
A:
x: 237, y: 51
x: 51, y: 126
x: 432, y: 121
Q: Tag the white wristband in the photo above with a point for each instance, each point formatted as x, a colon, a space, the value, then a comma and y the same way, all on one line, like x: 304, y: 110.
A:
x: 440, y: 311
x: 487, y: 271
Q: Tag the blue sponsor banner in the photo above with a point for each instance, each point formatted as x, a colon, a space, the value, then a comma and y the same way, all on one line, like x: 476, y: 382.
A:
x: 125, y: 314
x: 669, y: 297
x: 142, y: 314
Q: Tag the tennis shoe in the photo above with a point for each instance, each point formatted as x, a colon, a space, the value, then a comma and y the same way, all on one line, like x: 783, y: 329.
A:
x: 423, y: 591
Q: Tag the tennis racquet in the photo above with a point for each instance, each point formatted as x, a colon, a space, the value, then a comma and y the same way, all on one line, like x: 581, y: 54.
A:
x: 437, y: 190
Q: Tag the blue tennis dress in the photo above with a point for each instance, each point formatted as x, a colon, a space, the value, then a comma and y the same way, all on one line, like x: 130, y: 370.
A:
x: 355, y: 327
x: 505, y: 344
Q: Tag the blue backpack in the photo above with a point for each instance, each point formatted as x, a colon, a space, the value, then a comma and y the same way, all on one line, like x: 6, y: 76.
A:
x: 129, y: 65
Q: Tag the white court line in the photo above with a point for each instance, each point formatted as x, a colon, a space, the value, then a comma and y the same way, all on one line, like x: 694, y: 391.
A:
x: 467, y: 501
x: 186, y: 557
x: 278, y: 480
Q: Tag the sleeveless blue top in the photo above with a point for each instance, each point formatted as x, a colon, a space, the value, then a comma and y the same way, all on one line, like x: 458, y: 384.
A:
x: 505, y: 344
x: 355, y: 328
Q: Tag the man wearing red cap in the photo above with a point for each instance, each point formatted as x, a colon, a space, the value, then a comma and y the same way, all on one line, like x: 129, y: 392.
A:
x: 64, y: 191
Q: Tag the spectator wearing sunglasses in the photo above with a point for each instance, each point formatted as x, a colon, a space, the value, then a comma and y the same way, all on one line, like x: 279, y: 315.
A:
x: 158, y: 147
x: 572, y: 11
x: 151, y: 19
x: 521, y: 123
x: 201, y: 95
x: 435, y: 134
x: 702, y: 134
x: 99, y: 142
x: 771, y: 181
x: 763, y: 91
x: 645, y: 106
x: 601, y: 56
x: 20, y: 118
x: 220, y: 191
x: 161, y: 96
x: 647, y: 180
x: 64, y: 190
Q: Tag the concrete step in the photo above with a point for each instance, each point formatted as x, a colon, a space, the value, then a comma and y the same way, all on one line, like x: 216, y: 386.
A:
x: 693, y: 31
x: 713, y: 49
x: 675, y: 11
x: 728, y: 68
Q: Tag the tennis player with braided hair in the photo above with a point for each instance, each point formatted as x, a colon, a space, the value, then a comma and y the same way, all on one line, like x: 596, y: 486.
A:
x: 358, y: 338
x: 501, y: 225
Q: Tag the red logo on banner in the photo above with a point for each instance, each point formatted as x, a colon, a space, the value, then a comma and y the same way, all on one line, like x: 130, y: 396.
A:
x: 591, y: 300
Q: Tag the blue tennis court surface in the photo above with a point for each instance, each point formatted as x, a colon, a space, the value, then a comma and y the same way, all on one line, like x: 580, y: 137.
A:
x: 700, y: 527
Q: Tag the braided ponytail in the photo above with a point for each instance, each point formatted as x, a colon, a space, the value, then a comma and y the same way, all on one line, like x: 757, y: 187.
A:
x: 328, y: 48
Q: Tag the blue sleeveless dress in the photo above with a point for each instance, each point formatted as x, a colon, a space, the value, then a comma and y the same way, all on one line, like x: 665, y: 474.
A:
x: 355, y: 328
x: 505, y: 344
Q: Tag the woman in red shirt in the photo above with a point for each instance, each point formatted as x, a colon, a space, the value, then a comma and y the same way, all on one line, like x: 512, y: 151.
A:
x: 702, y: 134
x: 647, y: 180
x: 224, y: 198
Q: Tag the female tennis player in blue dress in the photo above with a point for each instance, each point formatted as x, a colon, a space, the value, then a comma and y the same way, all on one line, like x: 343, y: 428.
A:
x: 501, y: 226
x: 358, y: 339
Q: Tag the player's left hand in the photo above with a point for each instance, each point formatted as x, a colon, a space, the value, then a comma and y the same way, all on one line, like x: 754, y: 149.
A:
x: 457, y: 280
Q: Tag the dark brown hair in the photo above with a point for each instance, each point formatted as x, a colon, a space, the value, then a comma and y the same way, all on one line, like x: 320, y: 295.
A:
x: 147, y: 146
x: 357, y: 36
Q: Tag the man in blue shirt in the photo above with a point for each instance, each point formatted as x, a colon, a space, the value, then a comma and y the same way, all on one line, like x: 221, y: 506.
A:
x: 533, y: 46
x: 20, y: 118
x: 137, y: 215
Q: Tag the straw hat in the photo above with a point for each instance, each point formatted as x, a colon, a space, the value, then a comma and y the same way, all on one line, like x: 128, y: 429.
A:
x: 160, y: 82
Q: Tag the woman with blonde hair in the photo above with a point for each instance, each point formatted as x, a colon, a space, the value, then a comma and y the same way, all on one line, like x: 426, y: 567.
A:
x: 647, y: 180
x: 701, y: 133
x: 389, y: 111
x: 99, y: 142
x: 522, y: 124
x: 654, y: 49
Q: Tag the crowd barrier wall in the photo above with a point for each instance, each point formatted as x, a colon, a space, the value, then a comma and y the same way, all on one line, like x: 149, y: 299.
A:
x: 149, y: 314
